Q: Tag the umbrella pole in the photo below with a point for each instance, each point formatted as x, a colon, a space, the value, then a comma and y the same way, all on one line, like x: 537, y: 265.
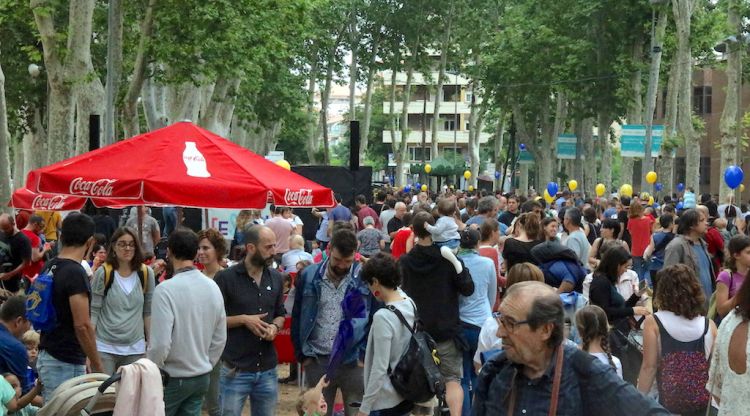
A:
x: 140, y: 225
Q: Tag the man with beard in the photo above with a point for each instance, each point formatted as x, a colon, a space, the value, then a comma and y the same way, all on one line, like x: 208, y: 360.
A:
x: 320, y: 293
x: 188, y: 327
x: 254, y: 301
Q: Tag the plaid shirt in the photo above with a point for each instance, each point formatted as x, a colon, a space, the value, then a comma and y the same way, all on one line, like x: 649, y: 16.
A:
x: 587, y: 387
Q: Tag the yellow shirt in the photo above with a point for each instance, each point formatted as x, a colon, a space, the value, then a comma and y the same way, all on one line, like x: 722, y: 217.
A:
x: 51, y: 220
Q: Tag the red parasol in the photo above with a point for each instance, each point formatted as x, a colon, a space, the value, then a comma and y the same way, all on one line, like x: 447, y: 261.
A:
x: 24, y: 198
x: 181, y: 165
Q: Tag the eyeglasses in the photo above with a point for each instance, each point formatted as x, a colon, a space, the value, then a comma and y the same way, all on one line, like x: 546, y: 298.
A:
x: 510, y: 324
x: 125, y: 245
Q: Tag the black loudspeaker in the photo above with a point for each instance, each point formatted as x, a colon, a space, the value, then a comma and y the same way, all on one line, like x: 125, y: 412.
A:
x: 354, y: 145
x: 94, y: 131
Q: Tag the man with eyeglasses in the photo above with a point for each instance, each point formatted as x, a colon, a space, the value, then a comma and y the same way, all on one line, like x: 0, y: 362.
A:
x: 537, y: 373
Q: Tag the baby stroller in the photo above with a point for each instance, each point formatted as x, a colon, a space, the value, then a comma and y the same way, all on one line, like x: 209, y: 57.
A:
x: 89, y: 394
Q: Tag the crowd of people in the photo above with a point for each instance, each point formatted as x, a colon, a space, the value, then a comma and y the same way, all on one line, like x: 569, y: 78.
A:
x: 611, y: 305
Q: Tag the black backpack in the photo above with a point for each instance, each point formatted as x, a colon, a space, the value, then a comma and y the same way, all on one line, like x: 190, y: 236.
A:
x: 417, y: 377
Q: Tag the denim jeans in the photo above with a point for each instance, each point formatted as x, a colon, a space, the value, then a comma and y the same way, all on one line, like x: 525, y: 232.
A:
x: 211, y: 402
x: 53, y: 372
x: 349, y: 379
x: 469, y: 380
x: 641, y: 267
x: 111, y: 362
x: 260, y: 387
x: 183, y: 396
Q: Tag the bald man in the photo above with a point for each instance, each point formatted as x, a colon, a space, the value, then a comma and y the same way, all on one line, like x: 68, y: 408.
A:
x: 15, y: 253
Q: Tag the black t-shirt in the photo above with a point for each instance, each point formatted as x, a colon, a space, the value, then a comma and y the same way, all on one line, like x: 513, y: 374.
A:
x: 242, y: 296
x: 507, y: 217
x: 69, y: 279
x: 622, y: 218
x: 377, y: 207
x: 15, y: 249
x: 395, y: 224
x: 517, y: 251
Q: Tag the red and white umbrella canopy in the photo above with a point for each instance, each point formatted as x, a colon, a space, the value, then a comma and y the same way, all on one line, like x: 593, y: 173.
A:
x: 182, y: 165
x: 24, y: 198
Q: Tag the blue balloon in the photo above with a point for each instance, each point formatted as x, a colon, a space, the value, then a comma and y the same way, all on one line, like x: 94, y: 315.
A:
x: 552, y: 188
x: 407, y: 189
x: 418, y: 186
x: 680, y: 205
x: 522, y: 146
x: 497, y: 175
x: 658, y: 186
x: 680, y: 187
x: 733, y: 176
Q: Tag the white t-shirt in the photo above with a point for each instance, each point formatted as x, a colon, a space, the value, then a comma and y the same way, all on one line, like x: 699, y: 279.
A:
x: 686, y: 330
x: 488, y: 339
x: 603, y: 358
x: 127, y: 284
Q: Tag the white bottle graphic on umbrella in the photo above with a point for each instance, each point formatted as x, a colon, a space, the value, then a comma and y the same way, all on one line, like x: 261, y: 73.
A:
x: 194, y: 161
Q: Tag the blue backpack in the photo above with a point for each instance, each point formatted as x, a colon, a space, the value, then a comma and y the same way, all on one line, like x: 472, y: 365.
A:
x: 40, y: 310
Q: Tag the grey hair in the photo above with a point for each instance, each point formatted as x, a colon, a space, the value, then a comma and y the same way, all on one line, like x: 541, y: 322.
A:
x: 486, y: 204
x: 546, y: 307
x: 574, y: 215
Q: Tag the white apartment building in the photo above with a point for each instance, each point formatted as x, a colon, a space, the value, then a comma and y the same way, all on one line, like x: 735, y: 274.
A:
x: 453, y: 123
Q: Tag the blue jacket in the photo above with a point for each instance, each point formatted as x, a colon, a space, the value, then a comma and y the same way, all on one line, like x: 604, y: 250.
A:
x: 305, y: 311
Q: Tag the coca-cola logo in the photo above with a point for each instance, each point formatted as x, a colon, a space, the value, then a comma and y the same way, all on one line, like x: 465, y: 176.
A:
x: 298, y: 197
x: 101, y: 187
x: 53, y: 203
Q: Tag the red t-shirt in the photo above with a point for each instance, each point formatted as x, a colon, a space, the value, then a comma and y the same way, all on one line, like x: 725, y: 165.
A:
x: 33, y: 268
x: 398, y: 245
x: 364, y: 212
x: 640, y: 234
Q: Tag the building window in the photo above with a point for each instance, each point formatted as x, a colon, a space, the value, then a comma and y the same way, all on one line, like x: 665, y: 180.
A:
x: 680, y: 170
x: 702, y: 100
x: 415, y: 154
x: 705, y: 171
x: 451, y: 92
x: 468, y: 96
x: 449, y: 123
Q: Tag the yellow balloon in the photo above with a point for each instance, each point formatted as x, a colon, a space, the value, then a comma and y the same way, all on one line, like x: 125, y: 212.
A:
x: 644, y: 196
x: 467, y: 174
x: 284, y: 164
x: 452, y: 187
x: 548, y: 197
x: 742, y: 187
x: 471, y: 187
x: 573, y: 184
x: 427, y: 168
x: 651, y: 177
x: 651, y: 200
x: 626, y: 190
x: 424, y: 188
x: 600, y: 189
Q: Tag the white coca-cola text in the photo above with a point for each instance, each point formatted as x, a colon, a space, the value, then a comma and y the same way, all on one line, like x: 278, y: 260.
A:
x: 53, y: 203
x: 101, y: 187
x: 298, y: 197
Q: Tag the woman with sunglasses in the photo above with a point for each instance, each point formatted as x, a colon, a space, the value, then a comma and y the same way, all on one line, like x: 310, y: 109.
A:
x: 121, y: 302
